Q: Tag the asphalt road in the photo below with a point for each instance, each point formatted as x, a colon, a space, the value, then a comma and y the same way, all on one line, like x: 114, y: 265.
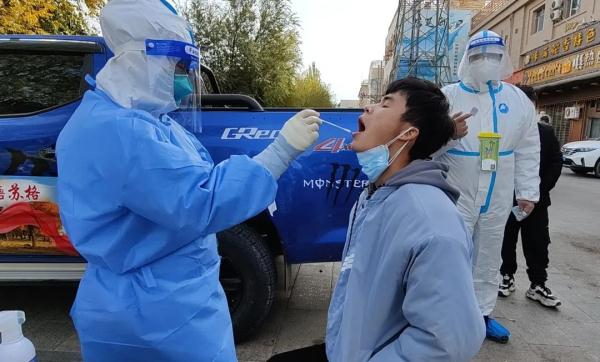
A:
x: 568, y: 334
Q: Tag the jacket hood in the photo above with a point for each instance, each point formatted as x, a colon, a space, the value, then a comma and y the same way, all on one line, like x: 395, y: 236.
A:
x: 425, y: 172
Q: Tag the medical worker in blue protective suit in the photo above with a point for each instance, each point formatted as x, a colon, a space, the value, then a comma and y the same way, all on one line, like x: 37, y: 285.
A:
x: 405, y: 290
x: 500, y: 153
x: 142, y: 200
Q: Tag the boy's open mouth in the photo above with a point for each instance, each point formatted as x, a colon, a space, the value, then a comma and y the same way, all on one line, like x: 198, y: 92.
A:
x: 361, y: 125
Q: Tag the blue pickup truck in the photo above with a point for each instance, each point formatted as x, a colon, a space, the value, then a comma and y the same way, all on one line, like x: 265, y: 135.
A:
x: 42, y: 80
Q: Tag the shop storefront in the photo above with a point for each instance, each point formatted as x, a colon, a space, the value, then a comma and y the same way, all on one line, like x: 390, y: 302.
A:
x: 566, y: 74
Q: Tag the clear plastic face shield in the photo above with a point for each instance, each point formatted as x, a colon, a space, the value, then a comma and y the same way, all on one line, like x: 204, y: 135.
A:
x: 486, y: 59
x: 184, y: 65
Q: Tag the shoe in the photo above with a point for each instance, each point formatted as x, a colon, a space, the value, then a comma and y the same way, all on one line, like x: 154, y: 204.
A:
x: 495, y: 331
x: 543, y: 295
x: 507, y: 285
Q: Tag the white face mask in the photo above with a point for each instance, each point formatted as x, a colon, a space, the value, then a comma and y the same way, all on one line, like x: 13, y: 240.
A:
x: 485, y: 69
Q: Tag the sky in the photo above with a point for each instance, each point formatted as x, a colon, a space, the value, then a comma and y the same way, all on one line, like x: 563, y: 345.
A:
x: 342, y: 37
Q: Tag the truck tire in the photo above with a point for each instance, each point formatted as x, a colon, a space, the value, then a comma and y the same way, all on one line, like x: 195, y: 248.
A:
x: 248, y: 276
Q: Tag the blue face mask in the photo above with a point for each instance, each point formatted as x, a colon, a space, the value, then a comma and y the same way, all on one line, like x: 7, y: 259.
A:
x: 182, y: 87
x: 376, y: 160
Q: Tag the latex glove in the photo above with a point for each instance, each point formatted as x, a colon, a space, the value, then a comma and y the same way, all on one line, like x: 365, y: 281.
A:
x: 526, y: 206
x: 297, y: 134
x: 302, y: 130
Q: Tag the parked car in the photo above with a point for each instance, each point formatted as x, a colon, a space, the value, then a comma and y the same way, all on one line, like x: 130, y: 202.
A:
x: 583, y: 156
x: 42, y: 80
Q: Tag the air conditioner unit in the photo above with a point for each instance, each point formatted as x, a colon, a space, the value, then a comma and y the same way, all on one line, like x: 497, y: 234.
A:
x: 557, y: 4
x: 572, y: 112
x: 556, y: 15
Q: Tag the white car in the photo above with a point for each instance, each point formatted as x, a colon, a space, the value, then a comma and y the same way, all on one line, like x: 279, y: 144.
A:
x: 582, y: 156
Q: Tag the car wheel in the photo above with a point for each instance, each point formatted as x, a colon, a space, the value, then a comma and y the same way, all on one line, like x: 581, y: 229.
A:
x: 597, y: 169
x: 248, y: 276
x: 579, y: 172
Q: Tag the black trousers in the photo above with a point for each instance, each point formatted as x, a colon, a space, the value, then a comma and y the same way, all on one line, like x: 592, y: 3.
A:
x: 308, y: 354
x: 535, y: 238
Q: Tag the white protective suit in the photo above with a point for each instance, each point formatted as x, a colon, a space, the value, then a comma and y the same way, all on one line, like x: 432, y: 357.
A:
x: 487, y: 196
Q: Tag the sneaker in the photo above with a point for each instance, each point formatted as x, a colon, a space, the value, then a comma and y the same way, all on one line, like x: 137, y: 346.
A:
x: 495, y: 331
x: 507, y: 285
x: 543, y: 295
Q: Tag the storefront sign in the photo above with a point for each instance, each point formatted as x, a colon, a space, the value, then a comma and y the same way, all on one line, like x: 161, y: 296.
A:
x: 571, y: 25
x: 577, y: 41
x: 583, y: 62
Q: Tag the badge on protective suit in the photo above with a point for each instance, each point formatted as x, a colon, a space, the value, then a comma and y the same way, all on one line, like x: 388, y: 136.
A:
x: 489, y: 149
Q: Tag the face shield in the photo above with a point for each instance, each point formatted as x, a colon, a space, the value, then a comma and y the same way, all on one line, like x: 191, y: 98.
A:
x: 183, y: 63
x: 486, y: 59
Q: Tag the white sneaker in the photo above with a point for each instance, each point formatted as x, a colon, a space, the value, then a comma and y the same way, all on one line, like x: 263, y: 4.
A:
x: 507, y: 286
x: 543, y: 295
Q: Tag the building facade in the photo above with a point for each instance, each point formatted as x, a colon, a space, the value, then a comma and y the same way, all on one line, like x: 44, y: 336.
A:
x: 555, y: 48
x: 348, y: 103
x: 372, y: 89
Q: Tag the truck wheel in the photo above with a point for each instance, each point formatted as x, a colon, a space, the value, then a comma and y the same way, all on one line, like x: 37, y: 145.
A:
x: 597, y: 169
x: 248, y: 276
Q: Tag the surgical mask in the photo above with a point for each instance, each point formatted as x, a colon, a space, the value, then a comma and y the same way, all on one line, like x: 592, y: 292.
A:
x: 182, y: 87
x: 376, y: 160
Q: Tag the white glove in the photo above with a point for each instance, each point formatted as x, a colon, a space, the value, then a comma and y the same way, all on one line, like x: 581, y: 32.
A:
x: 302, y: 130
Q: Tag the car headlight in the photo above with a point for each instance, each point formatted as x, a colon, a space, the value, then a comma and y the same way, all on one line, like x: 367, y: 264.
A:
x: 586, y: 149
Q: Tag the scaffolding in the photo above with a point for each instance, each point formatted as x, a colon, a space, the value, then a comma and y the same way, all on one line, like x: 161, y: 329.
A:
x: 421, y: 41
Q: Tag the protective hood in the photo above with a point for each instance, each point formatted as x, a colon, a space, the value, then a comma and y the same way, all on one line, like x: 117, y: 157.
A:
x: 483, y: 46
x: 132, y: 78
x: 425, y: 172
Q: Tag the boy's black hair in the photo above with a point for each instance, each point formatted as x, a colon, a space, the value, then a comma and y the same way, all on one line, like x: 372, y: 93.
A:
x: 427, y: 109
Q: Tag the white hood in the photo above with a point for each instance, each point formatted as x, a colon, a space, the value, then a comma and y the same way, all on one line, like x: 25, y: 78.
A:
x: 132, y: 78
x: 485, y: 42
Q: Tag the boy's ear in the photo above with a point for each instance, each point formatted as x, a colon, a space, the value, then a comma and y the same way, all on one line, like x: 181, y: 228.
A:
x: 411, y: 135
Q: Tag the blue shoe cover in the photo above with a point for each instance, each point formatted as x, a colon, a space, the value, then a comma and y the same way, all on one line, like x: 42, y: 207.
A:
x: 496, y: 332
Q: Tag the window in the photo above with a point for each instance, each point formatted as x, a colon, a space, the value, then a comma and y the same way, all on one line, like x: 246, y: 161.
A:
x: 538, y: 20
x: 594, y: 128
x: 33, y: 81
x: 572, y: 7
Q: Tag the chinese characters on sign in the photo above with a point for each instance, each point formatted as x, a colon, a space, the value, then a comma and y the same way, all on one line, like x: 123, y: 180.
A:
x: 575, y: 64
x: 14, y: 193
x: 564, y: 46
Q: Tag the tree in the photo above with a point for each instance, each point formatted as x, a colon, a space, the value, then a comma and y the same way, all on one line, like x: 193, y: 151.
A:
x: 42, y: 17
x: 253, y: 46
x: 310, y: 91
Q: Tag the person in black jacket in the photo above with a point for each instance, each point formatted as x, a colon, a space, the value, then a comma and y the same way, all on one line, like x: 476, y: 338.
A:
x: 534, y: 229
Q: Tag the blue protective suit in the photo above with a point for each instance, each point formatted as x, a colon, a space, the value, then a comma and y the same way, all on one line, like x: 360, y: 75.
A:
x: 405, y: 291
x: 142, y: 201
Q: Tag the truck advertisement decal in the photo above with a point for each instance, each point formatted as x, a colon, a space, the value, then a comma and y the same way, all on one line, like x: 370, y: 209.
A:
x: 249, y: 133
x: 332, y: 145
x: 340, y: 186
x: 29, y: 218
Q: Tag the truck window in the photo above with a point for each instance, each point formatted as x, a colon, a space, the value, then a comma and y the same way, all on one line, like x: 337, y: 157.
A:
x: 35, y: 81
